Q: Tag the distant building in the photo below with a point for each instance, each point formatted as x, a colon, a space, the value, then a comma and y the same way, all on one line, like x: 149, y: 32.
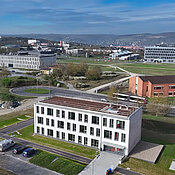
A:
x: 159, y: 54
x: 13, y: 46
x: 151, y: 86
x: 28, y: 60
x: 33, y: 41
x: 110, y: 127
x: 123, y: 55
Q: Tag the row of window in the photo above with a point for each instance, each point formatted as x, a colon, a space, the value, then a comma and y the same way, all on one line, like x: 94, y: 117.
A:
x: 71, y: 137
x: 95, y: 120
x: 162, y: 87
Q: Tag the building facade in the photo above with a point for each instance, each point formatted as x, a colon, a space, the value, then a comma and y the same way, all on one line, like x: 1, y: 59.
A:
x: 35, y: 60
x: 159, y: 54
x: 113, y: 128
x: 151, y: 86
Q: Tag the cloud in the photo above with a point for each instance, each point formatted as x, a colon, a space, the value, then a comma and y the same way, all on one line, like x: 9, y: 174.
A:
x: 74, y: 16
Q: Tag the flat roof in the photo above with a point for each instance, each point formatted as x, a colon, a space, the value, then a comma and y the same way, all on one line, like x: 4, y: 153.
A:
x: 166, y: 79
x: 115, y: 109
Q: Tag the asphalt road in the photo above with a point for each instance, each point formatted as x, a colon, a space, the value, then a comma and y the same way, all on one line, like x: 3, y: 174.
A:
x: 18, y: 126
x: 125, y: 171
x: 19, y: 165
x: 64, y: 92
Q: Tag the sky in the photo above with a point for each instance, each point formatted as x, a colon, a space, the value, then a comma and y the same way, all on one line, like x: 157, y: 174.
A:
x: 86, y: 16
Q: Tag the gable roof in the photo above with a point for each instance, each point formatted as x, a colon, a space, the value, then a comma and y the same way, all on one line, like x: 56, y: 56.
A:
x: 166, y: 79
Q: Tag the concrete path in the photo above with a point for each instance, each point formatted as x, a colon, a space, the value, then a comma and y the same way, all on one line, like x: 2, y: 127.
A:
x: 100, y: 164
x: 96, y: 89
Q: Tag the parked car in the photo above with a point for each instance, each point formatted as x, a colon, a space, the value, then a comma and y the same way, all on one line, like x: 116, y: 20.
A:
x: 5, y: 144
x: 29, y: 152
x: 19, y: 149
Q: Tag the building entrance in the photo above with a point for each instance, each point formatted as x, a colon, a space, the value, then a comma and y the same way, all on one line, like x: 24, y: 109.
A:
x: 116, y: 150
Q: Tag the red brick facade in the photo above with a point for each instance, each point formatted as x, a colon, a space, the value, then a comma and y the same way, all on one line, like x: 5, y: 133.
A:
x: 151, y: 86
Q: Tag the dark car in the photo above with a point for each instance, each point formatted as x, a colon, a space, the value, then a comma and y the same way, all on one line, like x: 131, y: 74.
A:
x: 19, y: 149
x: 29, y: 152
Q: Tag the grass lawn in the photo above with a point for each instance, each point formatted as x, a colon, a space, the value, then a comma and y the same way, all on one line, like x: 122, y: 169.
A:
x: 28, y: 112
x: 160, y: 130
x: 13, y: 120
x: 5, y: 172
x: 149, y: 69
x: 37, y: 91
x: 68, y: 147
x: 57, y: 163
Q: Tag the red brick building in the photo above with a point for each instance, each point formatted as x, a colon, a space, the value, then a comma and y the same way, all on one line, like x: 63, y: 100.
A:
x: 151, y: 86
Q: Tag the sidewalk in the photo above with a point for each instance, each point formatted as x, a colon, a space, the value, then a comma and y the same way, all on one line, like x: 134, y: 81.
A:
x: 100, y: 164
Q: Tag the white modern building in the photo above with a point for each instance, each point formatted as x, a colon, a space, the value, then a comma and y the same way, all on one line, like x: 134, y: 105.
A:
x: 159, y: 54
x: 28, y: 60
x: 110, y: 127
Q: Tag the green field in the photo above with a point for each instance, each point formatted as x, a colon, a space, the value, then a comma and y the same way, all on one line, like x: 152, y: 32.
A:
x: 160, y: 130
x: 149, y: 69
x: 60, y: 165
x: 37, y: 91
x: 13, y: 120
x: 53, y: 143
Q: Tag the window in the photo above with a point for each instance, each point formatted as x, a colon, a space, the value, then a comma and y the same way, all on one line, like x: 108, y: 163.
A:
x: 63, y: 135
x: 146, y: 88
x: 97, y: 132
x: 116, y: 136
x: 94, y: 143
x: 104, y: 121
x: 42, y: 131
x: 95, y: 120
x: 47, y: 121
x: 107, y: 134
x: 58, y: 134
x: 42, y: 110
x: 79, y: 139
x: 49, y: 132
x: 170, y: 93
x: 60, y: 124
x: 79, y: 117
x: 123, y: 138
x: 63, y: 114
x: 158, y: 87
x: 52, y: 122
x: 68, y: 126
x: 37, y: 109
x: 58, y: 113
x: 83, y: 129
x: 111, y: 123
x: 74, y: 127
x: 49, y: 111
x: 85, y: 140
x: 71, y: 115
x: 120, y: 124
x: 71, y: 137
x: 40, y: 120
x: 38, y: 129
x: 86, y: 118
x: 171, y: 86
x: 91, y: 131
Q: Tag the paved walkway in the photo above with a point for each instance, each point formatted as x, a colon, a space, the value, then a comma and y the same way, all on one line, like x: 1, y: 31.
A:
x: 96, y: 89
x: 100, y: 164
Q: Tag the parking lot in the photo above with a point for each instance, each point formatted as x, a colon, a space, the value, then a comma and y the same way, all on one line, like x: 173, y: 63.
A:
x: 20, y: 165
